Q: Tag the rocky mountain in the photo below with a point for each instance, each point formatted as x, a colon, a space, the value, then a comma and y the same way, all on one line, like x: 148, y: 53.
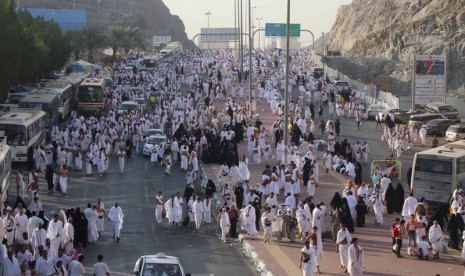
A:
x: 379, y: 38
x: 152, y: 17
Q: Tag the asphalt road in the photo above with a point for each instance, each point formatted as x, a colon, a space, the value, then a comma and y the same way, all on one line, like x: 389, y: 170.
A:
x: 200, y: 253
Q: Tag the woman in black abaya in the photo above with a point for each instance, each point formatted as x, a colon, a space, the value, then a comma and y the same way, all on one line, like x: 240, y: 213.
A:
x: 361, y: 209
x: 400, y: 196
x: 346, y: 217
x: 454, y: 231
x: 80, y: 229
x: 390, y: 199
x: 358, y: 174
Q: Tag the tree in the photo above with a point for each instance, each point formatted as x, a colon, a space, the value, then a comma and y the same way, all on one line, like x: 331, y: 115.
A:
x: 92, y: 38
x: 123, y: 37
x: 76, y: 43
x: 116, y: 37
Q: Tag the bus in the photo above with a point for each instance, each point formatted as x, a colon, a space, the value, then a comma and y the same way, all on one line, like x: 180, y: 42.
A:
x: 437, y: 172
x: 23, y: 128
x: 91, y: 95
x: 49, y: 104
x: 66, y: 87
x: 150, y: 61
x: 5, y: 168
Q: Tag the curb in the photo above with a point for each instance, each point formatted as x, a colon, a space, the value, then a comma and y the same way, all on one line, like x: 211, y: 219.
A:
x: 249, y: 252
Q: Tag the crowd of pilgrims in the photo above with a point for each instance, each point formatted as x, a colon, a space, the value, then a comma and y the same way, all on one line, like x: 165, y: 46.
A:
x: 198, y: 131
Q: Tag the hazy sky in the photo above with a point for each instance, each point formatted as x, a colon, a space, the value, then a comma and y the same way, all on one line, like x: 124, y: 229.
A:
x: 315, y: 15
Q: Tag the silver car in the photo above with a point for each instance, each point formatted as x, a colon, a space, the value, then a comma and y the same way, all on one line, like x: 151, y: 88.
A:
x: 150, y: 143
x: 373, y: 110
x: 159, y: 264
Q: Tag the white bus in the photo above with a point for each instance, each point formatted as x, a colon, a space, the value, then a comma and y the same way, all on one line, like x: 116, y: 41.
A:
x: 437, y: 172
x: 5, y: 168
x: 24, y: 128
x: 66, y: 87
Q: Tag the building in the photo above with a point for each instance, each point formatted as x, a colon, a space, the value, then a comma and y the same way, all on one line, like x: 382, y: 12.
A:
x: 68, y: 20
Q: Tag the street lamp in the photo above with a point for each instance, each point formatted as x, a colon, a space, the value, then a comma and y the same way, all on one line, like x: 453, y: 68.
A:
x: 259, y: 26
x: 208, y: 13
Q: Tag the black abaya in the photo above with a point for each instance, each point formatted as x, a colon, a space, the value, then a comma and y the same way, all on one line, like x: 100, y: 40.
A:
x: 390, y: 199
x: 346, y: 217
x: 400, y: 196
x: 361, y: 209
x: 453, y: 228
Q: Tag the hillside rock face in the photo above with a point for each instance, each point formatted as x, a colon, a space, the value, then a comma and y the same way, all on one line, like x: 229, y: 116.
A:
x: 385, y: 35
x: 152, y: 17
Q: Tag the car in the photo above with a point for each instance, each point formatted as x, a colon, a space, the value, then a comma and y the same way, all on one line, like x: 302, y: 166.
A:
x: 154, y: 131
x: 438, y: 127
x: 127, y: 106
x: 373, y: 110
x: 455, y: 132
x: 420, y: 119
x: 397, y: 114
x: 444, y: 109
x: 151, y: 141
x: 318, y: 72
x: 142, y: 105
x: 159, y: 264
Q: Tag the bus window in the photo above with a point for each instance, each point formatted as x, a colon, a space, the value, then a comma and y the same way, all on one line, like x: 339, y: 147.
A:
x: 461, y: 173
x: 433, y: 166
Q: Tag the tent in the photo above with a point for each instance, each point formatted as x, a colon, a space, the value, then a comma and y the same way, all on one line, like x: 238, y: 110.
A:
x: 81, y: 66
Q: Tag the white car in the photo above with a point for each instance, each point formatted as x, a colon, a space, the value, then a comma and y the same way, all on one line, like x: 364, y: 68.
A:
x: 127, y: 106
x: 159, y: 264
x: 373, y: 110
x: 151, y: 141
x: 455, y: 133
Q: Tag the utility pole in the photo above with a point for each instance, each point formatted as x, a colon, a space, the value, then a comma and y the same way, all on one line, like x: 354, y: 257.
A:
x: 286, y: 90
x: 241, y: 49
x: 208, y: 13
x: 250, y: 55
x: 235, y: 25
x: 259, y: 27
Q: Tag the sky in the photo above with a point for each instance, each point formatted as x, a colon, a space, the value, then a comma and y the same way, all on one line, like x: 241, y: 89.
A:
x: 315, y: 15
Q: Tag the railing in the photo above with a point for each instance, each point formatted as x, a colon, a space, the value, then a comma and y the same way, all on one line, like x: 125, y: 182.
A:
x: 2, y: 143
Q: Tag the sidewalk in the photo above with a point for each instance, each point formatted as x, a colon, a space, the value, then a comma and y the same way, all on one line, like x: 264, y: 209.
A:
x: 283, y: 258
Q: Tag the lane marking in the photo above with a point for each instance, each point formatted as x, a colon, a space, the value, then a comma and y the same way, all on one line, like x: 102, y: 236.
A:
x: 283, y: 260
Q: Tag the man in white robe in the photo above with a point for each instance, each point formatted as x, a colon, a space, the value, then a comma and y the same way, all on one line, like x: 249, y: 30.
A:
x: 92, y: 217
x: 55, y: 234
x: 21, y: 223
x: 68, y: 236
x: 342, y: 241
x: 436, y: 239
x: 207, y: 212
x: 306, y: 259
x: 116, y: 217
x: 39, y: 235
x: 303, y: 219
x: 159, y: 206
x: 248, y: 217
x: 355, y: 258
x: 197, y: 209
x: 409, y: 206
x: 10, y: 265
x: 316, y: 217
x: 224, y: 223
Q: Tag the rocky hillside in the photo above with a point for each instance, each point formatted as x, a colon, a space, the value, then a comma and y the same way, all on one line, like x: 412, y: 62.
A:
x: 151, y: 16
x: 378, y: 38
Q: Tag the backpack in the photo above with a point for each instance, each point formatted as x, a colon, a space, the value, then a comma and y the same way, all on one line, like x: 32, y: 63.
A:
x: 395, y: 231
x: 420, y: 252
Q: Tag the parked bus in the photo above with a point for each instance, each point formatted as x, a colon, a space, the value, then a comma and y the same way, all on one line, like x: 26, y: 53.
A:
x: 91, y: 95
x: 437, y: 172
x: 49, y: 104
x: 23, y: 128
x: 66, y: 87
x: 5, y: 168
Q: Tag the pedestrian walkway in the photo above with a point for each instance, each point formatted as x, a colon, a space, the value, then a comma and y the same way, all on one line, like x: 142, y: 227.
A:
x: 283, y: 258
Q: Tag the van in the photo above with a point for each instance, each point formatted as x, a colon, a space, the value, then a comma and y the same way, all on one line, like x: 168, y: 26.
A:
x: 420, y: 119
x: 444, y: 109
x: 318, y: 72
x: 127, y: 106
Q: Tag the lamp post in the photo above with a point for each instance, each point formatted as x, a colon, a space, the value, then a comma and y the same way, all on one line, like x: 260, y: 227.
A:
x: 208, y: 13
x: 250, y: 55
x: 286, y: 90
x: 235, y: 24
x: 259, y: 27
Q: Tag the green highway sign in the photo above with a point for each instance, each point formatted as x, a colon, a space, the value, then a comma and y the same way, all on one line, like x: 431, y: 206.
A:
x: 279, y: 29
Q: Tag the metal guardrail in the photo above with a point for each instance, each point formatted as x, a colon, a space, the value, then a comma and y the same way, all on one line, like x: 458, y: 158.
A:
x: 3, y: 143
